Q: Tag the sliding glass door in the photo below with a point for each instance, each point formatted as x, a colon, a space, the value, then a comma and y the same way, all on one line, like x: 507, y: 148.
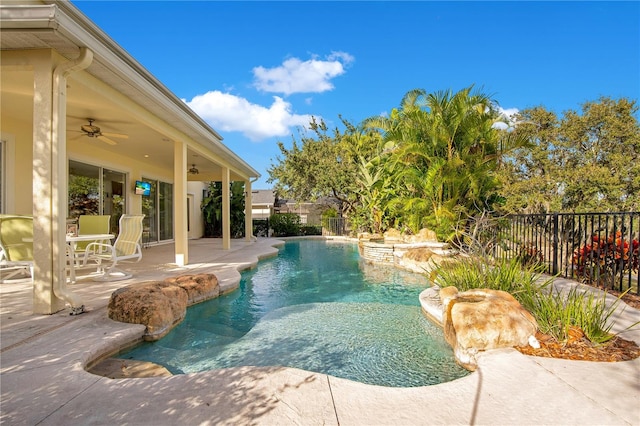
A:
x: 95, y: 190
x: 158, y: 210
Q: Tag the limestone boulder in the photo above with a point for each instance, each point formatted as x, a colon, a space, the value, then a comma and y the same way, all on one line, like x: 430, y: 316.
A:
x: 420, y: 254
x: 158, y: 305
x: 483, y: 319
x: 424, y: 235
x: 425, y: 260
x: 393, y: 235
x: 367, y: 236
x: 199, y: 287
x: 161, y: 305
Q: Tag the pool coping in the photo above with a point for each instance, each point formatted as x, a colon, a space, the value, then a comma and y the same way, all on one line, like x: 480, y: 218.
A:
x: 43, y: 381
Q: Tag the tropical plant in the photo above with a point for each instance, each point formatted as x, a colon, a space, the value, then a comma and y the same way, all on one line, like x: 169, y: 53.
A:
x: 478, y: 272
x: 446, y: 152
x: 603, y: 259
x: 211, y: 207
x: 557, y: 313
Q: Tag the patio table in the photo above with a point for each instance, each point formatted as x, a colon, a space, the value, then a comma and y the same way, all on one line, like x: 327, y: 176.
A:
x: 71, y: 249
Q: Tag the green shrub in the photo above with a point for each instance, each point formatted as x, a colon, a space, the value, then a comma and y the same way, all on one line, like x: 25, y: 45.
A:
x: 285, y: 224
x: 310, y: 230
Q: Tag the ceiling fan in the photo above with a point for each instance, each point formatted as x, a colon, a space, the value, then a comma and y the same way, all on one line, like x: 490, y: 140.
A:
x: 95, y: 132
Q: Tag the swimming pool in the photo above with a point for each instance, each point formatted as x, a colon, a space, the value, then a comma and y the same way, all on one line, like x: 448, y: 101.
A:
x: 318, y: 307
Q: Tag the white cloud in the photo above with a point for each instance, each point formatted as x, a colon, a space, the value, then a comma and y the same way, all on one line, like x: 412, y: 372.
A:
x: 230, y: 113
x: 508, y: 115
x: 296, y: 76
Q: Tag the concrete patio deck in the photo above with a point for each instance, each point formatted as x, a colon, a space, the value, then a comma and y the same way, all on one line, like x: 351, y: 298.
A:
x: 43, y: 379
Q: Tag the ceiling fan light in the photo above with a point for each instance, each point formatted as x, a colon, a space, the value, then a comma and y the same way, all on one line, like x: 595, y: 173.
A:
x: 193, y: 170
x: 90, y: 128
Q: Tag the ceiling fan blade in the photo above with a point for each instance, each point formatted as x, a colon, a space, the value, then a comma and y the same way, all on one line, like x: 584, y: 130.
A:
x: 105, y: 139
x: 115, y: 135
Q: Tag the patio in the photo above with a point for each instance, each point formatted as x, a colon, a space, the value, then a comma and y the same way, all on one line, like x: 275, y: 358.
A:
x: 207, y: 255
x: 43, y: 380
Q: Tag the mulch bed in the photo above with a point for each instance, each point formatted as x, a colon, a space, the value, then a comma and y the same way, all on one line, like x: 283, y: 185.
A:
x: 617, y: 349
x: 580, y: 348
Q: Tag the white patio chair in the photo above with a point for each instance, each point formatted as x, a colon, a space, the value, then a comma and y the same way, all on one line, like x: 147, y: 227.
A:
x: 126, y: 248
x: 87, y: 225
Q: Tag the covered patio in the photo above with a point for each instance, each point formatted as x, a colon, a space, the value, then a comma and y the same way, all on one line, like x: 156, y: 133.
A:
x: 207, y: 256
x: 72, y: 100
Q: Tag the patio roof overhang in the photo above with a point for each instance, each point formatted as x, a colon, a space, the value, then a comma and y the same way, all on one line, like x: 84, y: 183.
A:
x: 115, y: 90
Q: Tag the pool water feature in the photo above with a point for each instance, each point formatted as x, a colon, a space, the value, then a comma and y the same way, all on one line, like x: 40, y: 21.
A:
x: 317, y: 307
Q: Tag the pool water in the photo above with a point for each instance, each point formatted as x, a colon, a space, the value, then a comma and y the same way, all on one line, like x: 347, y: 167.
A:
x: 317, y: 307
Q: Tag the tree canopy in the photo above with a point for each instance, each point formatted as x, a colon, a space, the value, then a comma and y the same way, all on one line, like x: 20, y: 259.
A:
x: 579, y: 162
x: 440, y: 158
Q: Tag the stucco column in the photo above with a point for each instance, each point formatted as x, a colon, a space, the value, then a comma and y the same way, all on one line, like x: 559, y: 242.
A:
x: 248, y: 218
x: 48, y: 238
x: 50, y: 182
x: 181, y: 236
x: 226, y: 209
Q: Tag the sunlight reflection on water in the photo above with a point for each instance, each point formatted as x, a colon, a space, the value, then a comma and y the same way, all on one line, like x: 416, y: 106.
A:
x: 318, y: 308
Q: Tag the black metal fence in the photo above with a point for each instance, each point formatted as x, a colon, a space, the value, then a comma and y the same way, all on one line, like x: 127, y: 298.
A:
x: 261, y: 227
x: 596, y: 248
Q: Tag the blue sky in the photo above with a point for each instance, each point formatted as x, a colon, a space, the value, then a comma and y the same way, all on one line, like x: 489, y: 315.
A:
x: 257, y: 71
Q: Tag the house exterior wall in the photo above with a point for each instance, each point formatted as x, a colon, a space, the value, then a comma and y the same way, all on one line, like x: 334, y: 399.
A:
x: 18, y: 188
x: 194, y: 190
x: 261, y: 211
x: 309, y: 213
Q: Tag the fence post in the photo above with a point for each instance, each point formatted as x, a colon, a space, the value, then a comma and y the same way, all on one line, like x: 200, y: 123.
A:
x: 555, y: 244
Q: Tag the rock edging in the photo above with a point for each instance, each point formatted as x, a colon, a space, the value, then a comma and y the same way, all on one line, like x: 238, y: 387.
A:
x: 161, y: 305
x: 479, y: 320
x: 421, y: 253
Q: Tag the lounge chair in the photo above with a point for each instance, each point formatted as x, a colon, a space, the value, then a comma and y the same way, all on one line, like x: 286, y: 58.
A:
x: 16, y: 246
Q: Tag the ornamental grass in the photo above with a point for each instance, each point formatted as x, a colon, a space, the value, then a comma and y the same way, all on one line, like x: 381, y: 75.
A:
x: 555, y: 311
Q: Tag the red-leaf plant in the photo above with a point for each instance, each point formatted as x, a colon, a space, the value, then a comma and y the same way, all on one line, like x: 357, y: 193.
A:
x: 601, y: 260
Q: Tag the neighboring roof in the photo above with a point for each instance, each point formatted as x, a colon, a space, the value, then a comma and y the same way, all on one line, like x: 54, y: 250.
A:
x: 322, y: 201
x: 61, y: 26
x: 263, y: 196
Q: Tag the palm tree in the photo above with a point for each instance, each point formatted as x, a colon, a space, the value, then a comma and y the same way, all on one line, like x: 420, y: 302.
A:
x: 444, y: 158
